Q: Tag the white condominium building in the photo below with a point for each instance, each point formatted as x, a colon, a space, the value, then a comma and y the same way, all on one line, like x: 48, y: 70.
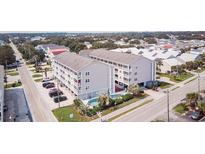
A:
x: 127, y: 68
x: 83, y: 77
x: 1, y: 92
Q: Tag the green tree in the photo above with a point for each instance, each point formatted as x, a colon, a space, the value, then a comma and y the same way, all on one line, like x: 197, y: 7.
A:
x: 6, y: 54
x: 134, y: 89
x: 104, y: 100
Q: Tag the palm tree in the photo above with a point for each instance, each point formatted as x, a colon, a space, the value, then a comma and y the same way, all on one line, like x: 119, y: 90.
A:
x: 192, y: 98
x: 159, y: 64
x: 104, y: 100
x: 134, y: 89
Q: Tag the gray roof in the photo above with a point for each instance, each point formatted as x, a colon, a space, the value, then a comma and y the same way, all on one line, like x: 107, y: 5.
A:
x: 124, y: 58
x: 73, y: 61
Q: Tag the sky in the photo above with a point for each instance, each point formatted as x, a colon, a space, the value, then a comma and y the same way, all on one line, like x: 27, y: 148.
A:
x: 102, y: 15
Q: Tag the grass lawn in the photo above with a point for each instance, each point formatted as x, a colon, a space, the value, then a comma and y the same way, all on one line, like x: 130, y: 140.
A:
x: 175, y: 88
x: 180, y: 108
x: 38, y: 80
x: 10, y: 70
x: 14, y: 73
x: 62, y: 114
x: 30, y: 65
x: 12, y: 85
x: 200, y: 70
x: 177, y: 78
x: 164, y: 85
x: 37, y: 75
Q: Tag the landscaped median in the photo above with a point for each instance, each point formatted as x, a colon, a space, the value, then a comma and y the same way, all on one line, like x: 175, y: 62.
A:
x: 12, y: 85
x: 80, y: 113
x: 12, y: 72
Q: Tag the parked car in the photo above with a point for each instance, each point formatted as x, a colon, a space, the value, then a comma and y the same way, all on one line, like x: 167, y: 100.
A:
x: 46, y: 80
x: 197, y: 115
x: 55, y: 93
x: 46, y: 83
x: 51, y: 85
x: 5, y: 108
x: 53, y: 89
x: 59, y: 98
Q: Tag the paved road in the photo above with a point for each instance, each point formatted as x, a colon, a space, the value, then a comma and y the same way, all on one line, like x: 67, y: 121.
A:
x: 38, y: 106
x: 152, y: 110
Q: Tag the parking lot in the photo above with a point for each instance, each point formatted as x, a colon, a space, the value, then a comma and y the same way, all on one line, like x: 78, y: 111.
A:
x: 45, y: 93
x: 18, y: 109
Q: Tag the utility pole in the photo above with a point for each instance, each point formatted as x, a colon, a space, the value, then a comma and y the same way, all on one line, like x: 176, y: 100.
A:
x: 6, y: 72
x: 168, y: 105
x: 198, y: 87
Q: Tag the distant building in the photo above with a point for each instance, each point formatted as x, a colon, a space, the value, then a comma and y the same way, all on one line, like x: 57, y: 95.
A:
x: 37, y: 38
x: 127, y: 68
x: 1, y: 92
x: 188, y: 57
x: 167, y: 64
x: 51, y: 50
x: 82, y: 76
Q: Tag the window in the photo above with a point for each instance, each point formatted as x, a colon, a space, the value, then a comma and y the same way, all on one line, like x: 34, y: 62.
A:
x: 87, y: 88
x: 87, y: 80
x: 135, y: 73
x: 135, y: 79
x: 87, y: 73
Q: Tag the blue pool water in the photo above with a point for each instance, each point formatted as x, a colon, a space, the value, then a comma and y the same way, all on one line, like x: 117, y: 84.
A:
x: 94, y: 101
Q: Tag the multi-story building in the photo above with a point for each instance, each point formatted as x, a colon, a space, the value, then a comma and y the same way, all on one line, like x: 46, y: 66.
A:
x: 1, y: 92
x: 127, y: 68
x: 83, y: 77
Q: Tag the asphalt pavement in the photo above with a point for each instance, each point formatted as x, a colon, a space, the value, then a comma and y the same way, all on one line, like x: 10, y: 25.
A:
x: 39, y: 108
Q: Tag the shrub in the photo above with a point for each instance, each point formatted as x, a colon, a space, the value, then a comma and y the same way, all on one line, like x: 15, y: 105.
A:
x: 118, y: 101
x: 127, y: 97
x: 111, y: 101
x: 91, y: 112
x: 77, y: 102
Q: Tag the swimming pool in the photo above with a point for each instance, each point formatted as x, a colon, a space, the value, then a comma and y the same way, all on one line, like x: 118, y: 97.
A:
x: 94, y: 101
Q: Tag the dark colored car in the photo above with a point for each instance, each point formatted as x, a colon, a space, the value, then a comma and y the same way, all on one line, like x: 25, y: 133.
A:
x: 197, y: 115
x: 5, y: 108
x: 59, y: 99
x: 46, y: 83
x: 46, y: 80
x: 55, y: 93
x: 51, y: 85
